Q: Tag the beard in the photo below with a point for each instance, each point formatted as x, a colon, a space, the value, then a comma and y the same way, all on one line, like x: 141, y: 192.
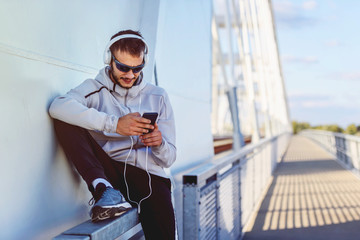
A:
x: 117, y: 80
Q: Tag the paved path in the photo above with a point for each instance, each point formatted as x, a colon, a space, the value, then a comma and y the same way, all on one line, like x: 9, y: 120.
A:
x: 311, y: 197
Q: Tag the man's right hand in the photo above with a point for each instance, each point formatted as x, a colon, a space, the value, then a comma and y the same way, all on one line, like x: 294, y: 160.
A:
x: 133, y: 124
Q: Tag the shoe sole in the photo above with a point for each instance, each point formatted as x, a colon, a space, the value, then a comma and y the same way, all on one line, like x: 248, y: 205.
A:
x: 101, y: 213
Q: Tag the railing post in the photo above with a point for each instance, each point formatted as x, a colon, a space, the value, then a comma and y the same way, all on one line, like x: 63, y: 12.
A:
x: 191, y: 209
x: 240, y: 200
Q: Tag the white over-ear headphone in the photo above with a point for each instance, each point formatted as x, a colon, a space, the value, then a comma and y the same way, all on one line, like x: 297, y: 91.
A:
x: 107, y: 52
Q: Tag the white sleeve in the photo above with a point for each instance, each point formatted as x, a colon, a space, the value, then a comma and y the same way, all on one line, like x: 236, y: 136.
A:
x: 75, y: 109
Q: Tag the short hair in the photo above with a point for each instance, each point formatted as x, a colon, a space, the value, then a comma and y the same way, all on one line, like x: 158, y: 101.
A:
x: 133, y: 46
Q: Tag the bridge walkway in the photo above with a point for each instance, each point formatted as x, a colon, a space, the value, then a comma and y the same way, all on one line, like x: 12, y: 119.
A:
x: 311, y: 197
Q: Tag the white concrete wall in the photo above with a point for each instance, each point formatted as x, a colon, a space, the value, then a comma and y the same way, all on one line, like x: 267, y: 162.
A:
x: 183, y: 61
x: 48, y: 47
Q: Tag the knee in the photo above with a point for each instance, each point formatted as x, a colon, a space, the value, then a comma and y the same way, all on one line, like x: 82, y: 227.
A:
x: 63, y: 129
x: 58, y: 124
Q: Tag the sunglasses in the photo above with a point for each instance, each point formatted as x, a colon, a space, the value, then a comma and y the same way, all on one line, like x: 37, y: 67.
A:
x: 125, y: 68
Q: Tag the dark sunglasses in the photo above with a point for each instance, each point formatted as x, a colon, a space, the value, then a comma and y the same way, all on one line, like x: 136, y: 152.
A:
x: 125, y: 68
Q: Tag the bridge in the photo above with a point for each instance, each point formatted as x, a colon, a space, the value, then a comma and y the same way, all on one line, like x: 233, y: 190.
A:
x: 240, y: 172
x: 312, y: 196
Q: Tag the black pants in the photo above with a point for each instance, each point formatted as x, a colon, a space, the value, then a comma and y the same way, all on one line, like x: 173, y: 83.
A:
x: 91, y: 161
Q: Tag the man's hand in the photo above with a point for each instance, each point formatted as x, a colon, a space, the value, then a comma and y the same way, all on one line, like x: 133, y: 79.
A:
x: 152, y: 139
x: 133, y: 124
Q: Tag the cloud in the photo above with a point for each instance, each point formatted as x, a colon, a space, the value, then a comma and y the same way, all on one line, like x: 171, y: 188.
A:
x: 293, y: 16
x: 345, y: 76
x: 351, y: 76
x: 324, y: 108
x: 316, y: 104
x: 286, y: 6
x: 302, y: 60
x: 326, y: 115
x: 305, y: 100
x: 301, y: 96
x: 332, y: 43
x: 309, y: 5
x: 322, y: 101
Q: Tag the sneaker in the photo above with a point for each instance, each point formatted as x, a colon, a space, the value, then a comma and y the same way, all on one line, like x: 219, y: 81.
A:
x: 109, y: 203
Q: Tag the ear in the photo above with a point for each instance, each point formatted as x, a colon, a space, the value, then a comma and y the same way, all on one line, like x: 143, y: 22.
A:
x: 111, y: 63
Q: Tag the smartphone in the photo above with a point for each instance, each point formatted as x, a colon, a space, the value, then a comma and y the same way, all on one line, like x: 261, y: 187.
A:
x: 152, y: 116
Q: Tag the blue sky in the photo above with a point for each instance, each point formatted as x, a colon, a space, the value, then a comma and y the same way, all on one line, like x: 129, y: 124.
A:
x: 319, y: 45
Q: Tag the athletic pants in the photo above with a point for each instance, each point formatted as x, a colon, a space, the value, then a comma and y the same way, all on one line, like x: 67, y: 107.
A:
x: 91, y: 161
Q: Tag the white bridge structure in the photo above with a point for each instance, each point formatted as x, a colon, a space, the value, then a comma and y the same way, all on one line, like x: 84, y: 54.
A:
x: 217, y: 59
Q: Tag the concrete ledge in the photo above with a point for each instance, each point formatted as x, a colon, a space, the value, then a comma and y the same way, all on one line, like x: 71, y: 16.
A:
x: 71, y: 237
x: 107, y: 229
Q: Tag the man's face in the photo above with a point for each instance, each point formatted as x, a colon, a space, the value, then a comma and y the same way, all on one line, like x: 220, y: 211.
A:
x: 126, y: 79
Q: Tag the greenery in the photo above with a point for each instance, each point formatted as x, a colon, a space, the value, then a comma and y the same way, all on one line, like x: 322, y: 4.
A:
x: 352, y: 129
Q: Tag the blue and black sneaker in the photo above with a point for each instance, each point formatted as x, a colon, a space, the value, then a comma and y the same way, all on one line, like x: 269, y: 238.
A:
x: 109, y: 203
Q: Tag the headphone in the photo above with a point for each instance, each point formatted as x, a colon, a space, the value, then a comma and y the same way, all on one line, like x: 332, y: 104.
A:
x: 107, y: 52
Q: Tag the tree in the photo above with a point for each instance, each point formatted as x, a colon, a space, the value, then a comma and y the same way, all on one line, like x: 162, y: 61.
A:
x: 334, y: 128
x: 299, y: 126
x: 351, y: 129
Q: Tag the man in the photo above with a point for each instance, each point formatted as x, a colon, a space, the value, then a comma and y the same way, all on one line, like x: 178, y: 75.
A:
x: 118, y: 153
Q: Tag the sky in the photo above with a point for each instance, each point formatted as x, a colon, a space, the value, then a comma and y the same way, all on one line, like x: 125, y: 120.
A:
x: 319, y: 50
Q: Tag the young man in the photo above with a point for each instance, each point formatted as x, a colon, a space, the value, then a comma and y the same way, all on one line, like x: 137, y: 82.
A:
x: 118, y: 153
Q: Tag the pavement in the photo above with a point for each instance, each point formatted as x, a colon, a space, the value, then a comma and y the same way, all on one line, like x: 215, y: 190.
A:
x: 311, y: 197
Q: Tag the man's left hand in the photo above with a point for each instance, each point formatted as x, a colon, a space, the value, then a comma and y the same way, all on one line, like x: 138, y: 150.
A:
x: 152, y: 139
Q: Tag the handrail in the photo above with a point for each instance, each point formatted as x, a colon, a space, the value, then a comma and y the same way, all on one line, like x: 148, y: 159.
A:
x: 227, y: 188
x: 335, y: 134
x: 346, y: 148
x: 218, y: 162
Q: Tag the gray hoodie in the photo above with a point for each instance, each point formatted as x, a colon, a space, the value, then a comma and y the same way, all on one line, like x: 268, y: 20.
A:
x: 97, y: 104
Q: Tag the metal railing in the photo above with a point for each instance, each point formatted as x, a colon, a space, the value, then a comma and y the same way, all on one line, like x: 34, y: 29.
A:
x: 346, y: 148
x: 220, y: 196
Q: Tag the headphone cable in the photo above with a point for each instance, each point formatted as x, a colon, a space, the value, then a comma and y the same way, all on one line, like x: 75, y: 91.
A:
x: 147, y: 171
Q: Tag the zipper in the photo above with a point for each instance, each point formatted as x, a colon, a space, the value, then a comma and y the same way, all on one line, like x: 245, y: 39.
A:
x: 125, y: 100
